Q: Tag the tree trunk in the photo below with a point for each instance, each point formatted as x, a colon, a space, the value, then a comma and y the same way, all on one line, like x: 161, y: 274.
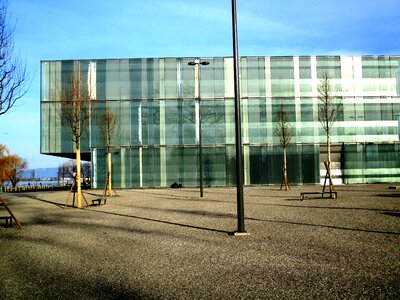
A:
x: 14, y: 180
x: 78, y: 177
x: 109, y: 189
x: 284, y: 172
x: 328, y: 147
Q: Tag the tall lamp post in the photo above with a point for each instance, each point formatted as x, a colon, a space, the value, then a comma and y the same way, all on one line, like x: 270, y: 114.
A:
x: 238, y: 132
x: 197, y: 63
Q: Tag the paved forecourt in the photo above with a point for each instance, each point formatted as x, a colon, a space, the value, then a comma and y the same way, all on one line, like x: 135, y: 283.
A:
x: 171, y: 244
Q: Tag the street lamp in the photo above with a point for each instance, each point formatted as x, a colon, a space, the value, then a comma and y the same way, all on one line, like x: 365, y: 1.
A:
x: 238, y: 131
x: 197, y: 63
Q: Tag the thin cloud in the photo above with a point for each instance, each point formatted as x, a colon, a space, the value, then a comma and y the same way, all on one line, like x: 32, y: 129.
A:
x: 249, y: 22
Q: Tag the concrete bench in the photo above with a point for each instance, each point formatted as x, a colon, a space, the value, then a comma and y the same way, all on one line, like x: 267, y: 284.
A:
x: 8, y: 220
x: 97, y: 202
x: 333, y: 195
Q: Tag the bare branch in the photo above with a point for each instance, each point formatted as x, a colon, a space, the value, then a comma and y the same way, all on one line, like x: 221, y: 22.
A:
x: 285, y: 134
x: 282, y: 127
x: 13, y: 75
x: 109, y: 126
x: 328, y: 108
x: 74, y: 108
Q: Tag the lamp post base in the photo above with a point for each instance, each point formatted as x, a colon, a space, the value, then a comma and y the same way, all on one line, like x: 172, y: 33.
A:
x: 239, y: 233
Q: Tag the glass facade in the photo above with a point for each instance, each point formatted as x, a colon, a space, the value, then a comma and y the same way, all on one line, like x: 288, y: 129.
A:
x: 156, y: 100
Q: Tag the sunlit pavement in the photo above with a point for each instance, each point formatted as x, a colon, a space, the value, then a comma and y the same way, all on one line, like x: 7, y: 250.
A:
x: 172, y: 244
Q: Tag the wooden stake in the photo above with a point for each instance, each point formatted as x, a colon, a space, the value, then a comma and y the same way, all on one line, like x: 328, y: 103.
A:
x: 108, y: 188
x: 329, y: 177
x: 73, y: 190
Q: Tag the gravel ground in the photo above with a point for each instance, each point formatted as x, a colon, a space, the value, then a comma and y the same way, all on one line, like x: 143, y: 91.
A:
x: 169, y: 244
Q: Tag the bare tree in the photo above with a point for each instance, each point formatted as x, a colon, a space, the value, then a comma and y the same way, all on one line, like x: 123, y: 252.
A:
x: 86, y: 172
x: 74, y: 108
x: 285, y: 134
x: 67, y: 170
x: 328, y: 111
x: 108, y: 124
x: 63, y: 172
x: 13, y: 76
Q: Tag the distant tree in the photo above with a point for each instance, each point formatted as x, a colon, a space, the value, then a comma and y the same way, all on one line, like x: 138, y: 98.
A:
x: 16, y: 167
x: 86, y: 172
x: 11, y: 166
x: 285, y: 134
x: 74, y: 108
x: 328, y: 112
x: 68, y: 170
x: 63, y: 172
x: 32, y: 175
x: 108, y: 123
x: 13, y: 76
x: 4, y: 153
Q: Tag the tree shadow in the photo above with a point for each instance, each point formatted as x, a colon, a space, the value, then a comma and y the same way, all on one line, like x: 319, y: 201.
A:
x: 191, y: 212
x: 158, y: 221
x: 68, y: 284
x: 393, y: 214
x: 326, y: 226
x: 388, y: 195
x: 34, y: 197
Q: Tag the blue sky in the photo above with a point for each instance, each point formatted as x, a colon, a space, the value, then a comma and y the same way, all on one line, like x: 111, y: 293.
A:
x: 81, y: 29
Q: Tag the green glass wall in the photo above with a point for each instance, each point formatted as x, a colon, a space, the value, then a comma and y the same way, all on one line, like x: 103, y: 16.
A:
x: 156, y: 103
x: 364, y: 163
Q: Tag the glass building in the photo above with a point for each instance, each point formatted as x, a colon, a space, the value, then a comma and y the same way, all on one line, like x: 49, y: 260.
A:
x: 158, y: 108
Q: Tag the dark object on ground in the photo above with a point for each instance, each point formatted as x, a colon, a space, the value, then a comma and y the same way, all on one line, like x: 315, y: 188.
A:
x: 176, y: 185
x: 98, y: 202
x: 332, y: 195
x: 8, y: 220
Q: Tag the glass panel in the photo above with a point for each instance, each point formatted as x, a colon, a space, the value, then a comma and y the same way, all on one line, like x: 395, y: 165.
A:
x: 151, y: 167
x: 125, y: 122
x: 330, y: 65
x: 97, y: 137
x: 136, y: 108
x: 171, y: 123
x: 219, y: 112
x: 288, y: 105
x: 372, y: 112
x: 207, y: 80
x: 214, y: 166
x: 282, y: 76
x: 189, y: 122
x: 364, y: 163
x: 112, y: 80
x: 170, y: 77
x: 219, y: 80
x: 101, y: 80
x: 135, y: 167
x: 255, y: 76
x: 307, y: 112
x: 188, y: 79
x: 305, y: 67
x: 125, y: 83
x: 256, y: 165
x: 190, y: 167
x: 380, y: 67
